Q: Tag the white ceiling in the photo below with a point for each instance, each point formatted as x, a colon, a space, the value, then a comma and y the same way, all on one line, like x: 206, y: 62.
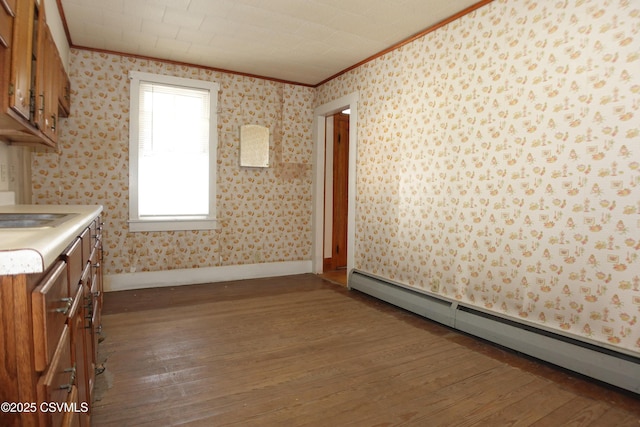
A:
x: 303, y: 41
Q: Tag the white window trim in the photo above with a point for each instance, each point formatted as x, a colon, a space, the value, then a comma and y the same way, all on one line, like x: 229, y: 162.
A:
x: 171, y: 223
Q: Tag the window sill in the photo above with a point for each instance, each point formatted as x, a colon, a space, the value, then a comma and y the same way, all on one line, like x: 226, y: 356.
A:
x: 172, y: 224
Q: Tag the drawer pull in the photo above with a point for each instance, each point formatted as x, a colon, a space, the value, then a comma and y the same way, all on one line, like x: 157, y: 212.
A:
x: 96, y: 265
x: 72, y: 379
x: 66, y: 308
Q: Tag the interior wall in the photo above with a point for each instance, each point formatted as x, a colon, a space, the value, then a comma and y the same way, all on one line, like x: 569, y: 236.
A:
x: 4, y: 166
x: 264, y: 214
x: 498, y: 165
x: 15, y: 171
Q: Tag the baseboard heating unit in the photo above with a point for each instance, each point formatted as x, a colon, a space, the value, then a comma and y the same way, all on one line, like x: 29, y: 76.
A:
x: 586, y: 358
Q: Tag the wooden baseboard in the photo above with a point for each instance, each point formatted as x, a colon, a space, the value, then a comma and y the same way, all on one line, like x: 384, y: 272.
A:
x: 192, y: 276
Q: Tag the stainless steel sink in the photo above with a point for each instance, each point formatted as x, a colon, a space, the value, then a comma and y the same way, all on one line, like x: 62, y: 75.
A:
x: 33, y: 220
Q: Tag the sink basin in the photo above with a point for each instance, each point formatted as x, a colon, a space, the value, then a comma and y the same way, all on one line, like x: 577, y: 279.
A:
x: 33, y: 220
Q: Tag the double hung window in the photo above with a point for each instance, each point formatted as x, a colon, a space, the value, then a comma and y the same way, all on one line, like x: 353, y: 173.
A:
x: 172, y: 153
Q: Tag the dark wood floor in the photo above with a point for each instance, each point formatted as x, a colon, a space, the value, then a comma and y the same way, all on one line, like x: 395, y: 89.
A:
x: 338, y: 277
x: 300, y: 350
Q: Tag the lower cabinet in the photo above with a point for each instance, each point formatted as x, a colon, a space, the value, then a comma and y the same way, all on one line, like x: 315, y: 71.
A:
x: 50, y: 325
x: 79, y: 356
x: 56, y: 382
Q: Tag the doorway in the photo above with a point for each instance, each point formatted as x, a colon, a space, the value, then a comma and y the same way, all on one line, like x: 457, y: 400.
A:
x: 336, y: 193
x: 321, y: 114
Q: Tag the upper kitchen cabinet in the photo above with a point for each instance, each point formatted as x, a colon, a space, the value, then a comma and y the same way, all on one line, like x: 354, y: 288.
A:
x: 7, y: 12
x: 9, y: 6
x: 21, y: 59
x: 46, y: 82
x: 33, y: 79
x: 64, y: 90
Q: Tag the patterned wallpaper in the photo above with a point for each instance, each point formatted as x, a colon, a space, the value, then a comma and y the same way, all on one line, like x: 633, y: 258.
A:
x: 499, y: 164
x: 265, y: 214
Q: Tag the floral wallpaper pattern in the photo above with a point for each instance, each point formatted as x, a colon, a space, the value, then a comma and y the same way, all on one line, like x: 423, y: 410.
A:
x: 499, y: 164
x: 265, y: 214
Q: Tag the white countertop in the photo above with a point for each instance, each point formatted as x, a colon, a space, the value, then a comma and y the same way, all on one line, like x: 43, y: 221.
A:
x: 33, y: 250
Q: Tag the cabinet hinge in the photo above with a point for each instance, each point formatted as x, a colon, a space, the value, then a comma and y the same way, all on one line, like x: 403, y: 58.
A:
x: 12, y: 89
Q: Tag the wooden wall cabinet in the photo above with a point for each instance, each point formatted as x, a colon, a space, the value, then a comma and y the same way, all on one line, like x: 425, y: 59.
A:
x: 46, y: 83
x: 7, y: 12
x: 34, y: 83
x: 63, y: 86
x: 49, y: 330
x: 21, y: 52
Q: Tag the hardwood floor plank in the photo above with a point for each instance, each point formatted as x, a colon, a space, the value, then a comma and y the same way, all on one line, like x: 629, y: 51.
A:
x: 467, y: 408
x: 315, y: 364
x: 619, y: 418
x: 301, y: 351
x: 579, y: 411
x: 530, y: 408
x: 333, y: 392
x: 434, y: 400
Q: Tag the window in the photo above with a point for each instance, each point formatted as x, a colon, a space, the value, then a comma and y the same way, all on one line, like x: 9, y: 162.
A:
x: 172, y: 153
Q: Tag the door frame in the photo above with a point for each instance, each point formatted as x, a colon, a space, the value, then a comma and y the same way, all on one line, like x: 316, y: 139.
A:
x: 319, y: 133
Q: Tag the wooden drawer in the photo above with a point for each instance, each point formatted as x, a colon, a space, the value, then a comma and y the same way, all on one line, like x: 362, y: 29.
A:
x: 96, y: 232
x: 73, y: 257
x: 94, y: 259
x: 87, y: 245
x: 57, y: 382
x: 93, y: 227
x: 86, y: 287
x: 50, y: 304
x: 96, y: 294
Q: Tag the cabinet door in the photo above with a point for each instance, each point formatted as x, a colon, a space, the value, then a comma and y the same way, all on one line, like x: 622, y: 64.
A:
x: 97, y: 282
x: 39, y: 79
x: 57, y: 382
x: 64, y: 90
x: 6, y: 27
x: 21, y: 58
x: 73, y: 419
x: 9, y: 6
x: 46, y: 89
x: 90, y: 365
x: 50, y: 304
x: 78, y: 350
x: 51, y: 85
